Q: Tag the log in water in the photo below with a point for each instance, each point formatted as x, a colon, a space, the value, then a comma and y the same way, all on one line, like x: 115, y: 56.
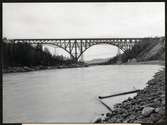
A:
x: 123, y: 93
x: 105, y: 105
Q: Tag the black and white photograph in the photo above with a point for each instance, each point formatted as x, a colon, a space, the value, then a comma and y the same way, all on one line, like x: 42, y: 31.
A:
x: 83, y: 62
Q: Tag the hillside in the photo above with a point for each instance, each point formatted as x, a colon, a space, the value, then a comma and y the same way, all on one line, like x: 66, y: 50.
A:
x: 97, y: 61
x: 155, y: 51
x: 149, y: 49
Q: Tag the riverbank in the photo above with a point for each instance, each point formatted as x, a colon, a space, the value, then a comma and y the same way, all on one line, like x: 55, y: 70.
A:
x: 35, y: 68
x: 152, y: 62
x: 148, y: 106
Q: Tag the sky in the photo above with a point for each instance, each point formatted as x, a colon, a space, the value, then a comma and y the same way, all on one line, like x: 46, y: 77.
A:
x: 84, y: 20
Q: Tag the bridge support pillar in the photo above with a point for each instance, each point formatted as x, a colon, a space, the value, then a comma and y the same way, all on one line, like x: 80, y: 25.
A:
x: 118, y: 52
x: 119, y: 56
x: 75, y: 60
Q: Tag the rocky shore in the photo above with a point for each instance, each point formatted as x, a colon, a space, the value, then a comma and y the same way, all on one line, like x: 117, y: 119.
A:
x: 35, y: 68
x: 148, y: 106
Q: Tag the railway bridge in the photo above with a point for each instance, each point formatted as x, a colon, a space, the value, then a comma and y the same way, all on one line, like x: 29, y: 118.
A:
x: 77, y: 46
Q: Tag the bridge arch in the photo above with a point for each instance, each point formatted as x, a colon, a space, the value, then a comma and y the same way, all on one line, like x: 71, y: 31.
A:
x: 85, y: 48
x: 100, y: 44
x: 61, y: 48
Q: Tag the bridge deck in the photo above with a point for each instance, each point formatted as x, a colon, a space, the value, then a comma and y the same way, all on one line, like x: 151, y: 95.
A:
x: 82, y: 39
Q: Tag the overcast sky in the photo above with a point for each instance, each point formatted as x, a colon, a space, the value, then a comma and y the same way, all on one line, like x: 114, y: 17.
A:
x: 82, y: 20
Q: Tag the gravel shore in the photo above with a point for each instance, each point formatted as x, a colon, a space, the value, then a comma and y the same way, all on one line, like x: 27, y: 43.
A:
x: 148, y: 106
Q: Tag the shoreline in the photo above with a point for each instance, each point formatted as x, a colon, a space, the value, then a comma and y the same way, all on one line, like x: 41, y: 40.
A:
x: 18, y: 69
x: 152, y: 62
x: 148, y: 106
x: 37, y: 68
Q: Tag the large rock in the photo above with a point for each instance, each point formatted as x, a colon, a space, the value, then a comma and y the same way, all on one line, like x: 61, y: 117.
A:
x: 155, y: 117
x: 161, y: 110
x: 147, y: 111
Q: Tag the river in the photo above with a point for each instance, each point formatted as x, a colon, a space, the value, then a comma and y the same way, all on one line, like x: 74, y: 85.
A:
x: 68, y: 95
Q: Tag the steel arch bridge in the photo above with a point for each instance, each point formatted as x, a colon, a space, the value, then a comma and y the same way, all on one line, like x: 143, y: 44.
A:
x: 77, y: 46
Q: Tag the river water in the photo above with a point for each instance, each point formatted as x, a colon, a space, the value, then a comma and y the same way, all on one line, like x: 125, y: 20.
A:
x: 68, y: 95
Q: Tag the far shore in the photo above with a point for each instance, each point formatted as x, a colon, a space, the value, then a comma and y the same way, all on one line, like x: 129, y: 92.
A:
x: 36, y: 68
x: 40, y: 67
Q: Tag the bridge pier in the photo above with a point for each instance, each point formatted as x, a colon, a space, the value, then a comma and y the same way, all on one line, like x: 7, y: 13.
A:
x: 75, y: 59
x: 119, y: 56
x: 118, y: 52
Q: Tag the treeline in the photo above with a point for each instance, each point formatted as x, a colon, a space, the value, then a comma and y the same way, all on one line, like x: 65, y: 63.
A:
x: 24, y: 54
x: 139, y: 50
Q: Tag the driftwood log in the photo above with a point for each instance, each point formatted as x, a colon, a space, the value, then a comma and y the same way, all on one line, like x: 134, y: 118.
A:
x: 123, y: 93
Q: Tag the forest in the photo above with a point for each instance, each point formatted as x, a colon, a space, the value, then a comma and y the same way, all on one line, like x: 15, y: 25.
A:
x: 25, y: 54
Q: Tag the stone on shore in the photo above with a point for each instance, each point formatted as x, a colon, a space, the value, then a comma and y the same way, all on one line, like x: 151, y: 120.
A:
x: 147, y: 111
